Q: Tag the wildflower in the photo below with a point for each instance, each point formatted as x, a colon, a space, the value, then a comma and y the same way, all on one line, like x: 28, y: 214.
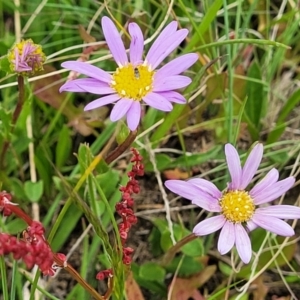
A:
x: 32, y: 249
x: 124, y: 207
x: 125, y: 211
x: 104, y: 274
x: 135, y: 80
x: 26, y: 57
x: 237, y: 208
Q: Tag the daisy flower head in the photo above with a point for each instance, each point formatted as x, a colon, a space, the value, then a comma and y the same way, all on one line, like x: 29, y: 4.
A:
x: 136, y: 79
x: 26, y: 58
x: 237, y: 208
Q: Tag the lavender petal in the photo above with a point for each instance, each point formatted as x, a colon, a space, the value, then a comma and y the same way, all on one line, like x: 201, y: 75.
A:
x: 102, y: 101
x: 173, y: 96
x: 157, y: 101
x: 168, y: 31
x: 171, y: 83
x: 176, y: 66
x: 206, y: 186
x: 227, y: 238
x: 89, y: 85
x: 251, y: 165
x: 251, y: 226
x: 234, y: 166
x: 277, y: 189
x: 114, y: 41
x: 265, y: 183
x: 280, y: 211
x: 209, y: 225
x: 243, y: 243
x: 88, y: 70
x: 273, y: 224
x: 183, y: 189
x: 120, y: 109
x: 136, y: 44
x: 134, y: 115
x: 166, y: 48
x: 197, y: 196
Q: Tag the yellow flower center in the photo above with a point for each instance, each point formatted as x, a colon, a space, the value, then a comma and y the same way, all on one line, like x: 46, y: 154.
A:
x: 132, y: 82
x: 237, y: 206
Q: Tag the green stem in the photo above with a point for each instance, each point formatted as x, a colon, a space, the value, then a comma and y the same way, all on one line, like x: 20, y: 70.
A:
x: 4, y: 278
x: 111, y: 157
x: 229, y: 108
x: 15, y: 117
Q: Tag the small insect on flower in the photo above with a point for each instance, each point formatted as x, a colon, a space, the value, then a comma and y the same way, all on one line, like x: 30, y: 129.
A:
x: 136, y: 80
x: 136, y: 73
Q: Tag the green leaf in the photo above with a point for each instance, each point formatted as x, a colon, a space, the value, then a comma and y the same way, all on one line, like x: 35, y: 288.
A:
x: 162, y: 161
x: 285, y: 111
x: 63, y: 147
x: 225, y: 269
x: 154, y: 239
x: 85, y: 157
x: 204, y: 25
x: 152, y: 272
x: 255, y: 101
x: 194, y: 248
x: 165, y: 240
x: 194, y: 159
x: 69, y: 222
x: 34, y: 190
x: 16, y: 185
x: 109, y: 182
x: 122, y: 134
x: 42, y: 159
x: 5, y: 65
x: 5, y: 124
x: 15, y: 226
x: 189, y: 266
x: 152, y: 286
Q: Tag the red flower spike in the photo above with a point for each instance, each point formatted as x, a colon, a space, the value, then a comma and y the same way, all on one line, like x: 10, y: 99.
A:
x: 124, y: 209
x: 36, y: 228
x: 104, y: 274
x: 32, y: 248
x: 5, y: 201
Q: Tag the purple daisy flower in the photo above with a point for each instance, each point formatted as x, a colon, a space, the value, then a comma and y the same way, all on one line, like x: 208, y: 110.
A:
x: 26, y: 57
x: 135, y: 79
x: 236, y: 206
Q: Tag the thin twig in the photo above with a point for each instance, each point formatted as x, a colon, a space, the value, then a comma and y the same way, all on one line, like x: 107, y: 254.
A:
x: 122, y: 147
x: 162, y: 190
x: 33, y: 177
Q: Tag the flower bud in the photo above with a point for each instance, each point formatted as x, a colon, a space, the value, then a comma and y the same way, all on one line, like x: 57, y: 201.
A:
x: 26, y: 58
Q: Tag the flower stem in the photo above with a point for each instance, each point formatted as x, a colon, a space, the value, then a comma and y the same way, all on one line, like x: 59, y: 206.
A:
x: 15, y: 117
x: 173, y: 250
x: 122, y: 147
x: 78, y: 278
